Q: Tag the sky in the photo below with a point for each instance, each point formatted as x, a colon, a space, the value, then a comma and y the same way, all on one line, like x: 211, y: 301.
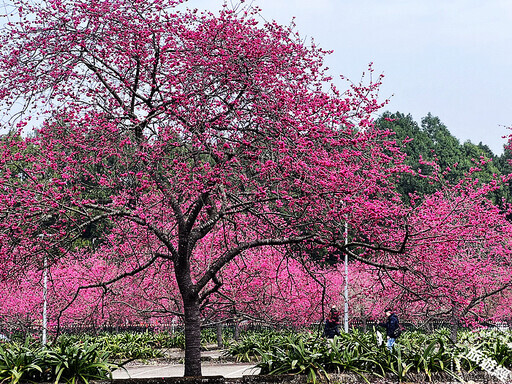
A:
x: 451, y: 58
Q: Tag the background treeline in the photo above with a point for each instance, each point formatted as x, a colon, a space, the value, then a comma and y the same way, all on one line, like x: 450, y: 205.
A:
x: 429, y: 142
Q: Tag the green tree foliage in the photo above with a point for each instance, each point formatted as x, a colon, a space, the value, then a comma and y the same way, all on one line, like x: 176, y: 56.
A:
x: 433, y: 151
x: 504, y: 163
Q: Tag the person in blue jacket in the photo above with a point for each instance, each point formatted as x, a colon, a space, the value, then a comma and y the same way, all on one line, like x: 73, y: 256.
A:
x: 332, y: 323
x: 392, y: 327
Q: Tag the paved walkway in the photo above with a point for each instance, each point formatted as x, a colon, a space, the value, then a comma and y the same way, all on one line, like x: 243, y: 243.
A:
x: 212, y: 365
x: 176, y: 370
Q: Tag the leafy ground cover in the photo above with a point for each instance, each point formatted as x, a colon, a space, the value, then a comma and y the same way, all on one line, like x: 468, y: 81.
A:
x: 433, y: 356
x: 80, y: 358
x: 64, y: 361
x: 416, y: 354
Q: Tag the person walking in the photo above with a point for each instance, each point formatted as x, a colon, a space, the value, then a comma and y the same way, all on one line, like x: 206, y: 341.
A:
x: 332, y: 323
x: 392, y: 327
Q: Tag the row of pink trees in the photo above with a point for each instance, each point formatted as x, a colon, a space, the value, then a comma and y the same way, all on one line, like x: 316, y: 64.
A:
x: 456, y: 264
x: 262, y: 286
x: 191, y: 144
x: 455, y: 275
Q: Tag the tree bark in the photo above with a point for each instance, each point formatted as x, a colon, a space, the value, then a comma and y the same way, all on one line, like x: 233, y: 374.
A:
x: 191, y: 309
x: 219, y: 335
x: 236, y: 331
x: 454, y: 331
x: 192, y: 337
x: 454, y: 326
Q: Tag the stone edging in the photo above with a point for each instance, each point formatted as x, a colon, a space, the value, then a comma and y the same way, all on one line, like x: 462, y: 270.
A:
x: 334, y: 378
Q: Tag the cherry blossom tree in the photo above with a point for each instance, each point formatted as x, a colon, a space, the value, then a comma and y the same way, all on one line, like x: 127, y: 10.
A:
x: 170, y: 148
x: 455, y: 265
x: 161, y: 125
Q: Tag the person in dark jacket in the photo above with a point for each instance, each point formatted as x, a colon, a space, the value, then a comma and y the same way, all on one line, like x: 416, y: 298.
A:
x: 332, y: 323
x: 391, y: 325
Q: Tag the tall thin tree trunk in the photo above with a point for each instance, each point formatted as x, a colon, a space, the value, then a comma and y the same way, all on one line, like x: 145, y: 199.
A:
x: 192, y: 338
x: 220, y: 344
x: 454, y: 330
x: 236, y: 331
x: 454, y: 326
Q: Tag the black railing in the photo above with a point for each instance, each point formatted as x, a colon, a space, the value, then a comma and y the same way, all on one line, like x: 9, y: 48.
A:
x: 21, y: 331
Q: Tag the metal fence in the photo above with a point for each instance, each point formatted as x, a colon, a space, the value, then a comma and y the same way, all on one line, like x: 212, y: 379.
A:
x: 235, y: 327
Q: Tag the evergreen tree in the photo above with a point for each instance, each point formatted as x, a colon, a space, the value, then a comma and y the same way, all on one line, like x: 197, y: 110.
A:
x: 431, y: 149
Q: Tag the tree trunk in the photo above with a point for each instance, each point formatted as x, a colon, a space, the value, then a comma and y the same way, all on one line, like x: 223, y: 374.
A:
x: 454, y: 331
x: 454, y: 326
x: 236, y: 331
x: 192, y: 338
x: 219, y: 335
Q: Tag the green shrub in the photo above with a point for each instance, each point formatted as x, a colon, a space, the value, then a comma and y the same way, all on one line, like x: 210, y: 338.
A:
x: 78, y: 363
x: 415, y: 353
x: 20, y: 363
x: 65, y: 362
